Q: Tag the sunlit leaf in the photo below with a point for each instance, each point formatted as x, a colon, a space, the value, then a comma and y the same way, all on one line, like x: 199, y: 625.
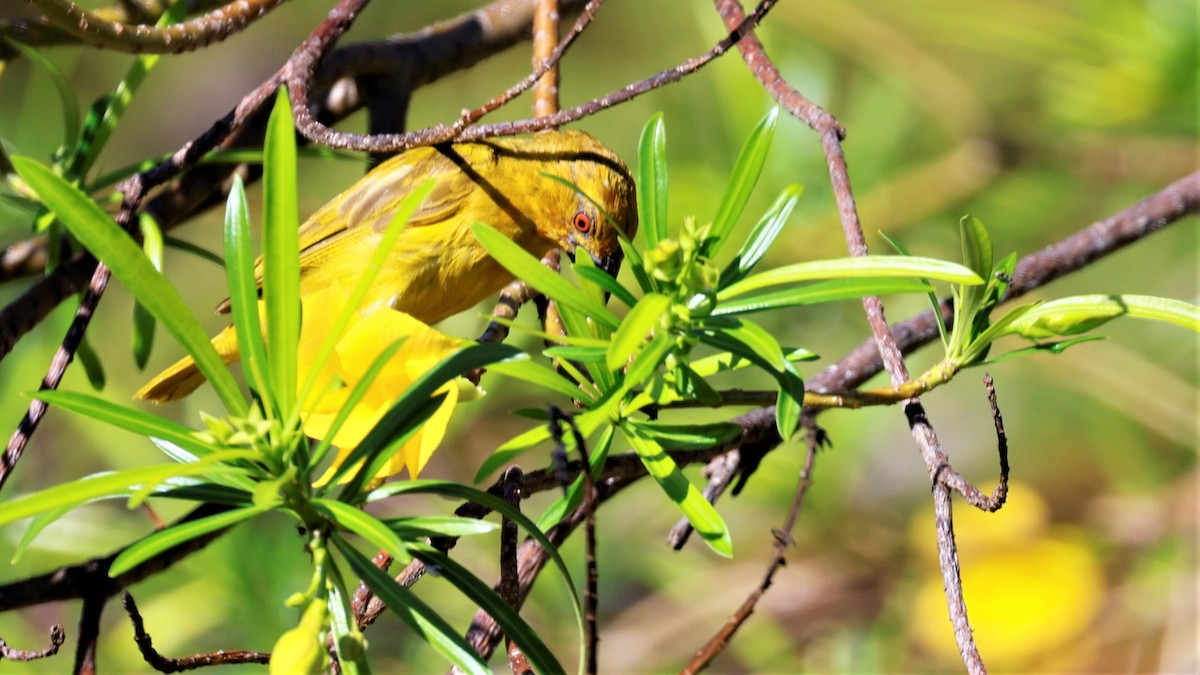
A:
x: 92, y: 227
x: 530, y: 270
x: 281, y: 252
x: 151, y: 545
x: 652, y: 181
x: 762, y: 236
x: 861, y: 267
x: 632, y: 332
x: 742, y: 180
x: 690, y: 500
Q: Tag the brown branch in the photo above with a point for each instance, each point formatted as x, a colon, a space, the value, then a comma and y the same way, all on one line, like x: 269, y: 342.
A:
x: 509, y: 587
x: 298, y: 84
x: 81, y: 580
x: 57, y: 637
x: 926, y: 439
x: 545, y: 44
x: 165, y: 664
x: 213, y: 27
x: 58, y: 367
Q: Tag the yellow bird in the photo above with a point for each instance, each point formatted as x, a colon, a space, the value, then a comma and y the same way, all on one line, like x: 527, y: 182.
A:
x: 437, y: 267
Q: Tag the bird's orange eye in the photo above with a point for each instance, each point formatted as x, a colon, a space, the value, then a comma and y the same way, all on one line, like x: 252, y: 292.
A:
x: 583, y: 222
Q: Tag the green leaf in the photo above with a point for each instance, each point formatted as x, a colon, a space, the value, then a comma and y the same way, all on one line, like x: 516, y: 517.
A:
x: 632, y: 332
x: 130, y: 419
x: 742, y: 180
x: 364, y: 525
x: 599, y: 277
x: 635, y: 264
x: 536, y: 373
x: 193, y: 249
x: 930, y: 292
x: 454, y: 490
x: 150, y: 546
x: 687, y: 498
x: 76, y: 492
x: 1042, y: 348
x: 417, y: 527
x: 528, y: 269
x: 243, y: 294
x: 587, y: 422
x: 652, y: 181
x: 506, y: 617
x: 580, y: 353
x: 46, y: 519
x: 762, y: 236
x: 817, y: 292
x: 349, y: 643
x: 114, y: 106
x: 143, y: 321
x: 861, y: 267
x: 1081, y: 313
x: 96, y: 231
x: 749, y: 340
x: 726, y: 361
x: 431, y: 627
x: 62, y: 85
x: 687, y: 436
x: 92, y: 366
x: 413, y: 401
x: 281, y: 252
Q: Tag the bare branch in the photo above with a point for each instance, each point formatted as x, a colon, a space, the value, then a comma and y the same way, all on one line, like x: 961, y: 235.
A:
x: 783, y: 539
x: 164, y: 664
x: 57, y: 637
x: 213, y: 27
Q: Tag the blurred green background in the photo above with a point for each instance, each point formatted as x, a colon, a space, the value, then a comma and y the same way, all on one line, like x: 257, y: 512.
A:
x: 1037, y: 116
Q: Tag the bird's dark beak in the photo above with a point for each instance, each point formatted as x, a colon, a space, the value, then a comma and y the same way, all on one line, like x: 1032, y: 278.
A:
x: 611, y: 264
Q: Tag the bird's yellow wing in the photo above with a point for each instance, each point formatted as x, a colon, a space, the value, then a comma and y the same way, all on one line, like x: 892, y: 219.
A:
x: 365, y: 209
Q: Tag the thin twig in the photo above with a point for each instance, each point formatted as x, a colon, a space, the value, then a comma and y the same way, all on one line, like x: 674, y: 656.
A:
x: 510, y: 585
x: 782, y: 540
x: 558, y: 419
x: 544, y: 66
x: 165, y: 664
x: 176, y: 38
x: 57, y: 637
x: 58, y: 367
x: 298, y: 83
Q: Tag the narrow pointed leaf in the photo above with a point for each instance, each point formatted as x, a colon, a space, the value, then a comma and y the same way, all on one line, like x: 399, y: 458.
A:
x: 150, y: 546
x: 243, y: 293
x: 762, y: 236
x: 652, y: 181
x: 817, y: 292
x: 130, y: 419
x: 281, y: 251
x: 528, y: 269
x: 632, y: 332
x: 432, y: 628
x: 76, y: 492
x: 742, y: 180
x: 507, y: 618
x: 686, y: 497
x: 96, y: 231
x: 861, y: 267
x: 364, y: 525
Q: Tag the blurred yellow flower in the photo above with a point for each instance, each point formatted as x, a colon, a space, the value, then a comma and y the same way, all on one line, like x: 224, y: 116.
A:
x: 1031, y: 588
x: 358, y: 348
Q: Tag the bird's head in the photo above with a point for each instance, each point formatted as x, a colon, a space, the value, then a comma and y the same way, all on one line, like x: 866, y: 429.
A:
x: 584, y: 196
